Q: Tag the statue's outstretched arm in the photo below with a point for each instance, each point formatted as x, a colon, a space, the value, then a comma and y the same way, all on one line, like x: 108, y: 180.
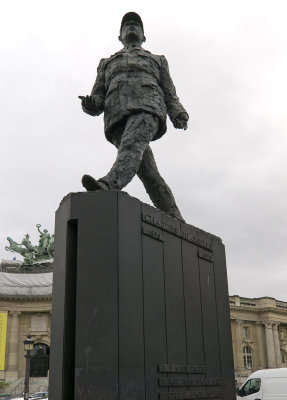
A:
x: 94, y: 104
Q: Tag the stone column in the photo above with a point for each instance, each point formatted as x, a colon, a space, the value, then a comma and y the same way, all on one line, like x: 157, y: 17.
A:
x: 277, y: 344
x: 12, y: 370
x: 239, y: 346
x: 259, y: 344
x: 270, y: 344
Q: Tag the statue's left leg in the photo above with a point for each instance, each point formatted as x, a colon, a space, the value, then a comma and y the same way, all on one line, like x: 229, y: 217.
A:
x: 156, y: 187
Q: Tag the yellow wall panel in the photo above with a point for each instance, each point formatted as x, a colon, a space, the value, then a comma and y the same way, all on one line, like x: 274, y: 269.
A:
x: 3, y: 334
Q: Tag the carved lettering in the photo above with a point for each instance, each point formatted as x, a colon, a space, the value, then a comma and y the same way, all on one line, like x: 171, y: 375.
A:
x: 174, y: 230
x: 204, y: 394
x: 151, y: 220
x: 152, y: 232
x: 184, y: 369
x: 189, y: 381
x: 205, y: 255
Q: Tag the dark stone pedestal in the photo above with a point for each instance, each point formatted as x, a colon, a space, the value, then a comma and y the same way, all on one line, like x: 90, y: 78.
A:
x: 140, y: 305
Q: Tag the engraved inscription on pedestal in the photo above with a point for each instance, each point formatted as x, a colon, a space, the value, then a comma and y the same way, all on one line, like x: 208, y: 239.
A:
x: 205, y: 255
x: 192, y: 237
x: 180, y: 368
x: 203, y: 394
x: 189, y: 381
x: 152, y: 232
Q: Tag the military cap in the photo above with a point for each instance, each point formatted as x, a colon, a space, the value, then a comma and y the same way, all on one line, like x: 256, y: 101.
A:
x: 131, y: 15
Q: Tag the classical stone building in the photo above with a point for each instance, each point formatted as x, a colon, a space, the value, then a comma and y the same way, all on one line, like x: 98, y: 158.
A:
x: 259, y: 328
x: 259, y: 334
x: 25, y: 309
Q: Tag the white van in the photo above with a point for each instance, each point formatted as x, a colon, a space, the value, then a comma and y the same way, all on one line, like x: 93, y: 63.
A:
x: 265, y: 384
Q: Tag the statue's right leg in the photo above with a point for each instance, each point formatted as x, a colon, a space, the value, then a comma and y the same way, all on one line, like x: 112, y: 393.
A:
x: 156, y: 187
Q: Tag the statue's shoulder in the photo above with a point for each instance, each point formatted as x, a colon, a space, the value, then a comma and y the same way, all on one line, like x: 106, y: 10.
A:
x: 105, y: 61
x: 157, y: 57
x: 102, y: 63
x: 117, y: 54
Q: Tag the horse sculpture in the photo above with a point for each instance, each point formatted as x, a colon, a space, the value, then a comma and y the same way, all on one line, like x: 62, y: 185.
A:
x: 33, y: 254
x: 16, y: 248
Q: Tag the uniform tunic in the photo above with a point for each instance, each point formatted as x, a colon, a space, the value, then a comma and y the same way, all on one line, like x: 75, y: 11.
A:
x: 134, y: 80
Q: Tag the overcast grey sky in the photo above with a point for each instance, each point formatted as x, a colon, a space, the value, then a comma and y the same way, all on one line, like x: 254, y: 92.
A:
x: 228, y: 60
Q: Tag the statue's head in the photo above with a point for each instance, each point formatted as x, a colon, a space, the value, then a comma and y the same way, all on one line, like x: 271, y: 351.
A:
x: 131, y: 28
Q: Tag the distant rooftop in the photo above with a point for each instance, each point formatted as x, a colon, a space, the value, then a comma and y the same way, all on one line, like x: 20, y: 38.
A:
x: 258, y: 303
x: 26, y: 284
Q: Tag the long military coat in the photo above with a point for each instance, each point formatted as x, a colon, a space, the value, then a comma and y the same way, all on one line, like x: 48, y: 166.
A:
x: 134, y: 80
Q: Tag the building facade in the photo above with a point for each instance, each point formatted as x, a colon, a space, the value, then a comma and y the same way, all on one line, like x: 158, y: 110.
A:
x: 26, y: 317
x: 259, y: 334
x: 25, y: 309
x: 258, y: 326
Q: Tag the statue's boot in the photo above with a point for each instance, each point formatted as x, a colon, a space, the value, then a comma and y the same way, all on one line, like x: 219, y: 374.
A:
x: 91, y: 184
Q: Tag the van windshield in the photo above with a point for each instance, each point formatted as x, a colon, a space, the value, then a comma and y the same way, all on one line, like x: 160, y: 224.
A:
x: 251, y: 386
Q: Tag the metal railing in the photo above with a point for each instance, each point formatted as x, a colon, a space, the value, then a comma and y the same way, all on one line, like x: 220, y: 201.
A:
x: 281, y: 304
x: 19, y: 388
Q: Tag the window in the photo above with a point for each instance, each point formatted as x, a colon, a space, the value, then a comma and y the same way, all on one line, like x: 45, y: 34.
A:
x: 251, y: 386
x: 247, y: 357
x: 245, y: 332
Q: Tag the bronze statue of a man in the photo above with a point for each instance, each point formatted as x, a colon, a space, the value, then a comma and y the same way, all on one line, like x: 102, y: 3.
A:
x: 135, y: 91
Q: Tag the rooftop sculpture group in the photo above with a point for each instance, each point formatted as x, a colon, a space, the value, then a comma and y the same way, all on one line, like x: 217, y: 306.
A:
x: 135, y: 91
x: 34, y: 254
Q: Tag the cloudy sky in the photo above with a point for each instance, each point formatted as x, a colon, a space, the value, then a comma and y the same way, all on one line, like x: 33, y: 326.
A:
x: 228, y: 60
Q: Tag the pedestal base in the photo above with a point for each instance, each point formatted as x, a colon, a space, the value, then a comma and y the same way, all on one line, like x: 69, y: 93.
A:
x: 140, y: 305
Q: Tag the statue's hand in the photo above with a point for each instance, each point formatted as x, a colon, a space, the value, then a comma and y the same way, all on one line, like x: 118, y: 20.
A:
x: 88, y: 102
x: 181, y: 121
